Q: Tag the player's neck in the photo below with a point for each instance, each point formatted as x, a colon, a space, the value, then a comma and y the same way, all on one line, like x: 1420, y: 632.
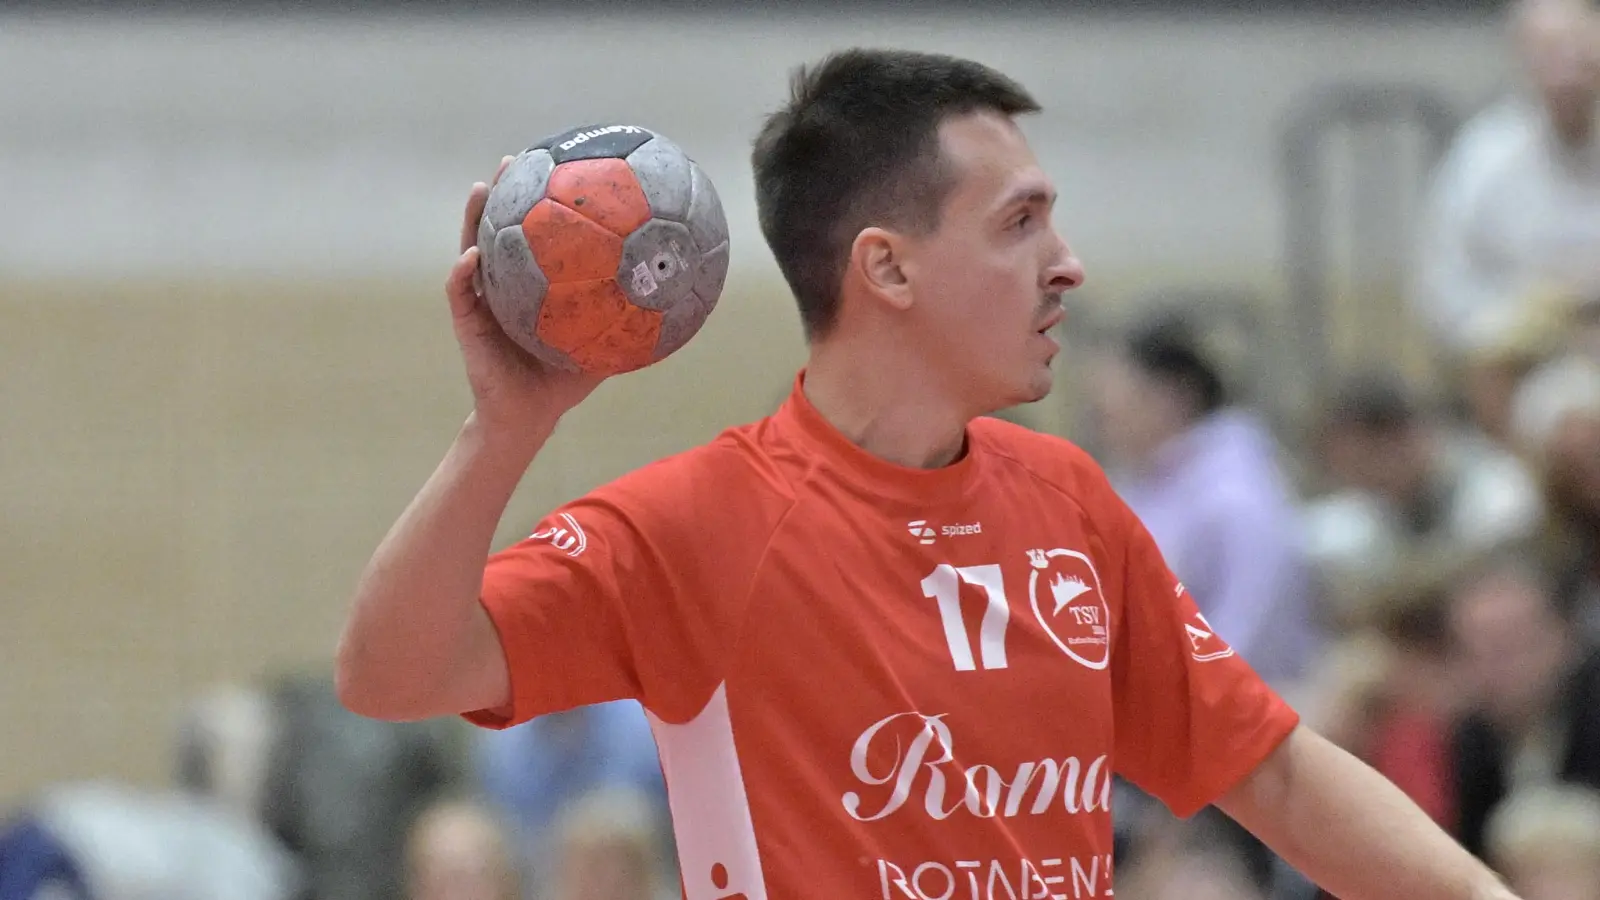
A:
x: 885, y: 409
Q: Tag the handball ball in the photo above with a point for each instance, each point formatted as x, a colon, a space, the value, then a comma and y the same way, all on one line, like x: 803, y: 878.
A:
x: 602, y: 249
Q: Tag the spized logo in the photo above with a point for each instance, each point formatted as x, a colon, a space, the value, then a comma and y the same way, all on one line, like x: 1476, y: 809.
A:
x: 920, y: 530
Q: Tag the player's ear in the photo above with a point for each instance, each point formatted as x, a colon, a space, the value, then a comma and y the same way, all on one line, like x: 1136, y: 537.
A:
x: 878, y: 258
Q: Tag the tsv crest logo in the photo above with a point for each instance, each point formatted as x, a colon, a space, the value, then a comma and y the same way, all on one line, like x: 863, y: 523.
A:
x: 1064, y: 590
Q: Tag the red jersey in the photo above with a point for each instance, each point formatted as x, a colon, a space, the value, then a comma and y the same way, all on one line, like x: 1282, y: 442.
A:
x: 869, y: 681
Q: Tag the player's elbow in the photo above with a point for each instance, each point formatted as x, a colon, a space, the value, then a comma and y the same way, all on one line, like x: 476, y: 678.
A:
x: 363, y: 689
x: 417, y: 672
x: 354, y: 688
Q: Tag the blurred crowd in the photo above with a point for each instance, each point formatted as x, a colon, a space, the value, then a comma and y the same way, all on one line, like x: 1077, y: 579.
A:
x: 282, y: 794
x: 1416, y: 566
x: 1418, y: 571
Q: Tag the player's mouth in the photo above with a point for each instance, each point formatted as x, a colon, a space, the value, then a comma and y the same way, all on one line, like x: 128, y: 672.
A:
x: 1052, y: 320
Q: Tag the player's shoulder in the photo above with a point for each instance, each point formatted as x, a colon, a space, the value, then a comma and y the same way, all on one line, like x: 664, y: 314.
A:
x: 729, y: 478
x: 1051, y: 461
x: 1045, y: 455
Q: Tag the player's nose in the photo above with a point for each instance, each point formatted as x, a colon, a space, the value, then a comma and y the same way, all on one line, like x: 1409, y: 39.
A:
x: 1065, y: 272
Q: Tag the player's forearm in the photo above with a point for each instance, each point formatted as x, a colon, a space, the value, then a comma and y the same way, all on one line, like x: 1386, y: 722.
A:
x: 412, y: 618
x: 1352, y: 831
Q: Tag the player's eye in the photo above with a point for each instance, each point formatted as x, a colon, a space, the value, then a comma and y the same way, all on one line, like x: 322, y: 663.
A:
x: 1022, y: 221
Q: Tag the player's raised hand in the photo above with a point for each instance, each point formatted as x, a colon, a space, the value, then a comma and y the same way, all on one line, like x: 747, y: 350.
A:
x: 511, y: 390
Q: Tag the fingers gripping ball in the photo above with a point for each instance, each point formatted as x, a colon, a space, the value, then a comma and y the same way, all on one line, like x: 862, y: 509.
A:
x: 603, y: 249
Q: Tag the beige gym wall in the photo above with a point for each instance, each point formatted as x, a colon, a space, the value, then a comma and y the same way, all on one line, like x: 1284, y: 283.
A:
x: 224, y: 360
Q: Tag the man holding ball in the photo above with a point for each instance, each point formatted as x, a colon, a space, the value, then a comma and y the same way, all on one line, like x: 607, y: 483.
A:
x: 890, y: 647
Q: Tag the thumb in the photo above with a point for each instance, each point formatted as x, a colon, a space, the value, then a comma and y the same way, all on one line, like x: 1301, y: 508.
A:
x: 461, y: 286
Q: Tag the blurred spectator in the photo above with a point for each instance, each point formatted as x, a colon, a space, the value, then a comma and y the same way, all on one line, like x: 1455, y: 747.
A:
x: 608, y: 845
x: 1585, y: 328
x: 343, y: 790
x: 105, y: 841
x: 1411, y: 736
x: 1490, y: 375
x: 1407, y: 491
x: 458, y: 850
x: 1204, y: 475
x: 1187, y: 873
x: 1534, y: 690
x: 1546, y: 843
x: 206, y: 839
x: 35, y: 864
x: 1515, y: 206
x: 1386, y: 692
x: 531, y: 772
x: 1558, y: 426
x: 1348, y: 691
x: 225, y: 742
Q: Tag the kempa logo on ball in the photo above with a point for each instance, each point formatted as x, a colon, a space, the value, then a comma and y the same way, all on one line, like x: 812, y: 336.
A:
x: 586, y: 136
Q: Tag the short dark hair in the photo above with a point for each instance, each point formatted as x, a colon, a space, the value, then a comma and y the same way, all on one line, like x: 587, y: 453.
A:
x: 1378, y: 402
x: 857, y: 145
x: 1168, y: 346
x: 1413, y: 610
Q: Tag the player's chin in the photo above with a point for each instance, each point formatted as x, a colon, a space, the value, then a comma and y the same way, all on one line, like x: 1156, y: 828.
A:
x: 1041, y: 384
x: 1035, y: 384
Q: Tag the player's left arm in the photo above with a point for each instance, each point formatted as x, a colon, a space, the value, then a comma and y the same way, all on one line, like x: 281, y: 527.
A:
x: 1195, y: 726
x: 1350, y: 830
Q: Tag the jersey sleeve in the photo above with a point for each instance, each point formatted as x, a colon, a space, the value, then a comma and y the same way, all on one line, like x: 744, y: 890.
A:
x: 1192, y: 718
x: 633, y: 592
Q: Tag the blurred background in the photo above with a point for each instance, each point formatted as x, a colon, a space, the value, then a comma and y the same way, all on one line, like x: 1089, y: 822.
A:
x: 1339, y: 345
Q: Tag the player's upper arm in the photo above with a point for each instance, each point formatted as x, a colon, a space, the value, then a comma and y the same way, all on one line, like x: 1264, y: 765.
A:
x: 481, y: 680
x: 1191, y: 717
x: 634, y: 592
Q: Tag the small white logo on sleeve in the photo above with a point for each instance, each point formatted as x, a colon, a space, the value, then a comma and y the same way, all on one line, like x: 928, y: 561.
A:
x: 1203, y: 638
x: 568, y: 536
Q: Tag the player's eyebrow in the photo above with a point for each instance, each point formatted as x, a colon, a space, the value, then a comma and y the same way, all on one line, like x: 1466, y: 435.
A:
x: 1028, y: 195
